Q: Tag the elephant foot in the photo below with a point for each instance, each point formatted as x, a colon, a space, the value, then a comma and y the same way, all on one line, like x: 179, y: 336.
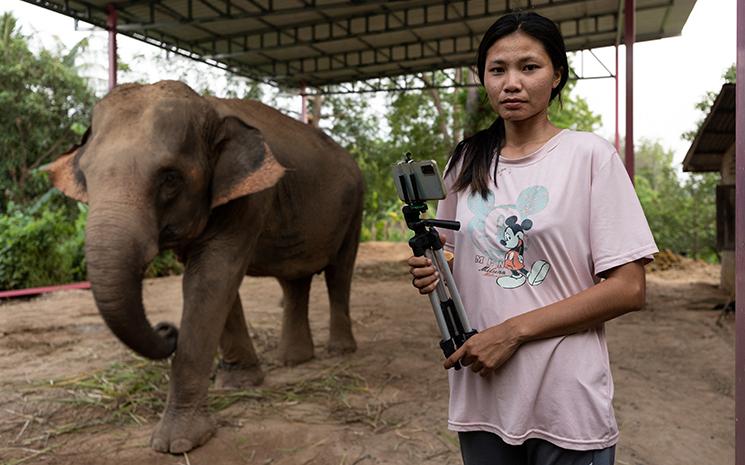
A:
x: 341, y: 345
x: 181, y: 430
x: 296, y: 354
x: 237, y: 376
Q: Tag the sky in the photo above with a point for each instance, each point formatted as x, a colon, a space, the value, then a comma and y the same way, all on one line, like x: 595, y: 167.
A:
x: 670, y: 75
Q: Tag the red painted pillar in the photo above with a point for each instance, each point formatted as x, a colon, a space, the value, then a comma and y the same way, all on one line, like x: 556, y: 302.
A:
x: 618, y: 137
x: 740, y: 240
x: 629, y: 35
x: 111, y: 26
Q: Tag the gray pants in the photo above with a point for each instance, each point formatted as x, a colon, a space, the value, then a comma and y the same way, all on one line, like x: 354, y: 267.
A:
x: 483, y: 448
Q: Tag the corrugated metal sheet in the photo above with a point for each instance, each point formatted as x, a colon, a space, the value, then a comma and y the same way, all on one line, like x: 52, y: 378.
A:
x: 716, y: 135
x: 318, y: 42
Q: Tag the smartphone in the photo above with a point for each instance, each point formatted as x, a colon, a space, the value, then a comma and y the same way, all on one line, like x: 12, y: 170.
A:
x: 418, y: 181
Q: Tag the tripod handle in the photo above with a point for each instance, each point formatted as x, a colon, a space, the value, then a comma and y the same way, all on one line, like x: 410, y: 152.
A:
x: 446, y: 224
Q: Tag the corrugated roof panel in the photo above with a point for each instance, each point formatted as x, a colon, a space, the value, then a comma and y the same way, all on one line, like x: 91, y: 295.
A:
x: 715, y: 136
x: 229, y: 27
x: 309, y: 15
x: 250, y: 32
x: 436, y: 32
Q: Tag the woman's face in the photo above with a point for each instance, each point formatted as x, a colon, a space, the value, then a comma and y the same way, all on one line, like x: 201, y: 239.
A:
x: 519, y: 77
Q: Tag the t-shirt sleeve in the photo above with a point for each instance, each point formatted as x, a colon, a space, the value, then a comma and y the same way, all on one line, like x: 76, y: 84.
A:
x: 447, y: 209
x: 619, y: 232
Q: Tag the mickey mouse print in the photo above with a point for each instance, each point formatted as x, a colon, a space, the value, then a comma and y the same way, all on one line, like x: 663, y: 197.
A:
x: 514, y: 240
x: 500, y: 233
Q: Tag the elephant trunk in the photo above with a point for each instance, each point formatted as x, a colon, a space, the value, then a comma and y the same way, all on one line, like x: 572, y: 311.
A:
x: 117, y: 252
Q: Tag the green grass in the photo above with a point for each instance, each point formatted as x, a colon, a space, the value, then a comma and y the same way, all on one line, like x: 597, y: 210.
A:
x: 135, y: 391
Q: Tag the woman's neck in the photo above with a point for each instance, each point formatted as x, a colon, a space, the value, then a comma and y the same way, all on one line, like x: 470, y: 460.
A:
x: 526, y: 136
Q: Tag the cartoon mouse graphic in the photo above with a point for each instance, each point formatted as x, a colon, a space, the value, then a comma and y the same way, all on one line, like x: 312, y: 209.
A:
x: 514, y: 240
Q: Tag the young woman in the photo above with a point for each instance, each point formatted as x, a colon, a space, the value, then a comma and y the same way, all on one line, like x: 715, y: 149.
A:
x: 552, y: 244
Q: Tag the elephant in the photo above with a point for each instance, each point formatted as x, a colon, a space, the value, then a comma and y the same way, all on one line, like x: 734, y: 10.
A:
x: 235, y: 188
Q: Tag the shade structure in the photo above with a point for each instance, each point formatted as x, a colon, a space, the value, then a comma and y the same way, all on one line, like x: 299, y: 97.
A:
x: 297, y: 43
x: 716, y: 135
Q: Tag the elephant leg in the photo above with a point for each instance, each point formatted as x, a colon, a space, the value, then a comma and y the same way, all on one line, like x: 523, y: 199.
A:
x: 296, y: 342
x: 210, y: 286
x: 239, y: 366
x: 338, y: 283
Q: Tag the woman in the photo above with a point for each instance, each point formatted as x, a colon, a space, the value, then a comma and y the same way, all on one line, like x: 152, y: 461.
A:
x: 553, y: 243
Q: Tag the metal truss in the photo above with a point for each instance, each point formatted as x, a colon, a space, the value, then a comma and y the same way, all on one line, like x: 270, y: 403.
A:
x: 345, y: 41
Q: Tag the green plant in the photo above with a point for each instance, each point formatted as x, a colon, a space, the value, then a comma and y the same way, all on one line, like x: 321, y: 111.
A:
x: 39, y: 248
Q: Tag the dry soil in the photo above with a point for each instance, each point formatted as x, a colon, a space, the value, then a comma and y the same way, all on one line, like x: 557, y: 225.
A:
x: 70, y: 393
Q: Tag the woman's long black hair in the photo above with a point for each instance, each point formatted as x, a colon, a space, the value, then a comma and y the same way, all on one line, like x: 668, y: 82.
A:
x: 478, y: 150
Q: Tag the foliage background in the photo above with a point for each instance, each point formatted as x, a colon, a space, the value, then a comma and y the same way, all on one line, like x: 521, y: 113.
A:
x: 47, y: 96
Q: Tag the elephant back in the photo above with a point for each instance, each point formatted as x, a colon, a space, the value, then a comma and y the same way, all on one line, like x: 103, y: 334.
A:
x: 296, y: 145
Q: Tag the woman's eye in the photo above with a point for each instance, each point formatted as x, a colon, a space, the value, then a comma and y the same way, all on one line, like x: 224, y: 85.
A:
x: 531, y: 67
x: 497, y: 70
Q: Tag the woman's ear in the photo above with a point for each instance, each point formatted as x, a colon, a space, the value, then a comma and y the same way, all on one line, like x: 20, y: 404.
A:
x: 557, y: 77
x: 244, y: 165
x: 65, y: 173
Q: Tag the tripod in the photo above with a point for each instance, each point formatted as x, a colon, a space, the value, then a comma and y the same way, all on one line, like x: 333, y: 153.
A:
x: 445, y: 300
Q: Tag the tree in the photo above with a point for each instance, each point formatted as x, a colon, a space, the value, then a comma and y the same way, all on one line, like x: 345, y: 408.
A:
x: 664, y: 200
x: 729, y: 76
x: 700, y: 188
x: 350, y: 121
x: 571, y: 112
x: 428, y: 123
x: 204, y: 79
x: 45, y: 106
x: 681, y: 212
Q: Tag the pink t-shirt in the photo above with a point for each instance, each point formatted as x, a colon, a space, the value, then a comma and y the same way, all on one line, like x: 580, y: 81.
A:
x: 558, y: 218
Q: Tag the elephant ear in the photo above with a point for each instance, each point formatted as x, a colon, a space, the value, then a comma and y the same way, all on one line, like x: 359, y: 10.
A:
x: 245, y: 164
x: 65, y: 172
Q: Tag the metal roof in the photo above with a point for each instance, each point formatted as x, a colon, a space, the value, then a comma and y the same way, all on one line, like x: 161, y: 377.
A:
x: 716, y: 135
x: 312, y: 43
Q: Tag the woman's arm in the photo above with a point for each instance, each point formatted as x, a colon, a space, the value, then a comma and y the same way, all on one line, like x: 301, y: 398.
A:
x: 622, y: 291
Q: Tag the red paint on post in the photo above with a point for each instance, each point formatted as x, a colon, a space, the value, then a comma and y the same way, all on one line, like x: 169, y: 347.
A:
x: 629, y: 35
x: 618, y: 137
x: 111, y: 26
x: 740, y: 240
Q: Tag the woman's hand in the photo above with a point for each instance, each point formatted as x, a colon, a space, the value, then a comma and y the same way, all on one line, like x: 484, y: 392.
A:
x: 486, y: 351
x: 425, y: 276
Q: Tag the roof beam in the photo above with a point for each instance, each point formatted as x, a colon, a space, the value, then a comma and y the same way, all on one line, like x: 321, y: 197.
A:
x: 325, y: 30
x: 453, y: 50
x: 338, y: 40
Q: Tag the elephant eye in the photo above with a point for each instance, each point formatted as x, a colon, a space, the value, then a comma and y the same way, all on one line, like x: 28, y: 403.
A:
x: 170, y: 184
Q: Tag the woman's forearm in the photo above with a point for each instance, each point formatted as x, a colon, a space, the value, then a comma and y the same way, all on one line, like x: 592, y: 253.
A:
x: 623, y: 291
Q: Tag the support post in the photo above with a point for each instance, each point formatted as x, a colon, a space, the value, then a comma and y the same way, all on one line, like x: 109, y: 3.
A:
x: 618, y: 137
x: 629, y: 35
x: 111, y: 26
x: 740, y: 239
x: 303, y: 105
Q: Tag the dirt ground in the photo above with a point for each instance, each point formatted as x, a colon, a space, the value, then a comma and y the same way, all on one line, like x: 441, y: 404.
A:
x: 62, y: 372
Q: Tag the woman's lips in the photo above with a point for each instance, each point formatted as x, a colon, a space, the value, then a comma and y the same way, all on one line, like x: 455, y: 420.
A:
x: 512, y: 104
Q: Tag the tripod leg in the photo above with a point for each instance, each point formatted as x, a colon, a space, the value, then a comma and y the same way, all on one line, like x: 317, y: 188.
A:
x: 435, y: 299
x: 452, y: 288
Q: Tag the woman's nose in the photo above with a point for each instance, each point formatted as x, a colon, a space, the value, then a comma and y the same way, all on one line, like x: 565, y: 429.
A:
x: 511, y: 81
